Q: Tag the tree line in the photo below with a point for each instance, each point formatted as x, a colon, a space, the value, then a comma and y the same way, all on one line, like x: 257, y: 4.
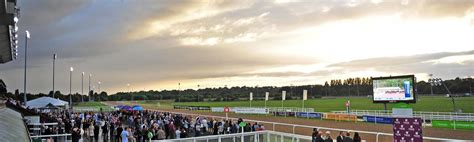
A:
x: 348, y: 87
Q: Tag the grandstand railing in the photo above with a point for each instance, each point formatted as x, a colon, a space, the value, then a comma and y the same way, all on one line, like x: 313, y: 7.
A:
x: 259, y: 136
x: 370, y: 135
x: 58, y: 137
x: 422, y: 114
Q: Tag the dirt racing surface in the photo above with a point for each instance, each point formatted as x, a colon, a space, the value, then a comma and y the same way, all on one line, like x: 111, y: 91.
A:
x: 359, y: 126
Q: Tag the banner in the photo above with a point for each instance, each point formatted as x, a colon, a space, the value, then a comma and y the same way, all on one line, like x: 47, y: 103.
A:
x: 283, y: 95
x: 309, y: 115
x: 305, y: 95
x: 344, y: 117
x: 217, y: 109
x: 407, y: 129
x: 251, y: 96
x: 250, y: 110
x: 450, y: 124
x: 266, y: 96
x: 378, y: 119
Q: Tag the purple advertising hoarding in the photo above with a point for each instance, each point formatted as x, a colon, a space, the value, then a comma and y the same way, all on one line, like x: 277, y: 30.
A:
x: 407, y: 130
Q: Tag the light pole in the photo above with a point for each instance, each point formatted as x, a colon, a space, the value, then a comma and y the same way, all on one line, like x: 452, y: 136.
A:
x: 439, y: 82
x: 251, y: 98
x: 470, y: 85
x: 70, y: 87
x: 179, y: 88
x: 198, y: 93
x: 131, y: 97
x: 82, y: 87
x: 24, y: 75
x: 89, y: 92
x: 431, y: 86
x: 54, y: 62
x: 98, y: 86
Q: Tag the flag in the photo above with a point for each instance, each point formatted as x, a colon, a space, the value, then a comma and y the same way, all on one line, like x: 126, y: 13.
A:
x: 283, y: 95
x: 266, y: 96
x: 305, y: 94
x: 251, y: 96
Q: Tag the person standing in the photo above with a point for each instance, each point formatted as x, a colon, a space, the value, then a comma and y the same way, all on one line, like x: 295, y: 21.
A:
x: 340, y: 138
x: 314, y: 134
x: 124, y: 135
x: 119, y: 133
x: 91, y: 131
x: 76, y: 134
x: 96, y: 132
x: 161, y: 134
x: 348, y: 138
x: 105, y: 131
x: 327, y: 137
x: 357, y: 137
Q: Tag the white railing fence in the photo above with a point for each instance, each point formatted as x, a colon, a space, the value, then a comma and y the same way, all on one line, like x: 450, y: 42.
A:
x: 422, y: 114
x: 295, y: 129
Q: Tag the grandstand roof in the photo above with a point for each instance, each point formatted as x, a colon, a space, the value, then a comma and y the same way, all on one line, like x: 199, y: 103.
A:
x: 12, y: 127
x: 8, y: 10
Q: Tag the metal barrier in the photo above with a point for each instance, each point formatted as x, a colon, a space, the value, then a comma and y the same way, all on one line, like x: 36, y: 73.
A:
x: 422, y: 114
x: 369, y: 135
x: 259, y: 136
x: 58, y: 137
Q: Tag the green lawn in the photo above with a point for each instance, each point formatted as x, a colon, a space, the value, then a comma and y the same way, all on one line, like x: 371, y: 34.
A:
x: 91, y: 106
x: 437, y: 104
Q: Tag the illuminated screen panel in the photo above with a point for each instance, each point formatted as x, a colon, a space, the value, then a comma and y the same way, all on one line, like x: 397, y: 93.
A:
x: 394, y: 89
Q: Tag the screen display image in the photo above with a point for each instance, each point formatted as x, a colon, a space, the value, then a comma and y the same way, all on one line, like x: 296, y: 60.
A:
x: 394, y: 89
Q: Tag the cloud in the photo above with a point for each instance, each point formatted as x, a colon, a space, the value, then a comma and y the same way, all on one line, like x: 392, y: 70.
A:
x: 415, y: 64
x: 149, y: 41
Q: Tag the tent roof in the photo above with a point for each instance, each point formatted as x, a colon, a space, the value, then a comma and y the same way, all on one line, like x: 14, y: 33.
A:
x: 44, y: 101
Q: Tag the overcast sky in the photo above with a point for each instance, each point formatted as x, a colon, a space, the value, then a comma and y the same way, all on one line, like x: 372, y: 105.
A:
x: 154, y: 44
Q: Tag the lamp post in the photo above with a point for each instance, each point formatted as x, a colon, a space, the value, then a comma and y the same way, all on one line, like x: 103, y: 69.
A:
x: 179, y: 89
x: 470, y: 85
x: 131, y: 97
x: 431, y: 86
x: 439, y: 82
x: 98, y: 86
x: 251, y: 98
x: 24, y: 75
x: 82, y: 87
x: 89, y: 92
x: 198, y: 94
x: 54, y: 62
x: 70, y: 87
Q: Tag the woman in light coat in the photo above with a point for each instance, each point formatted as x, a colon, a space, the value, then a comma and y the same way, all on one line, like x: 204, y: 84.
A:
x: 91, y: 131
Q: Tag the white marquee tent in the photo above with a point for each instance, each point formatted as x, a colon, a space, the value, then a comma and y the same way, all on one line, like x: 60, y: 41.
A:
x: 44, y: 101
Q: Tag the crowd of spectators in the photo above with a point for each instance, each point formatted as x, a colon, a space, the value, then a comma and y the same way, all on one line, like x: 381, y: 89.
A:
x: 138, y: 126
x: 320, y: 136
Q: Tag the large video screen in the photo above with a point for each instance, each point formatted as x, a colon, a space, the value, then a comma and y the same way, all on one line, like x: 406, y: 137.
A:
x: 394, y: 89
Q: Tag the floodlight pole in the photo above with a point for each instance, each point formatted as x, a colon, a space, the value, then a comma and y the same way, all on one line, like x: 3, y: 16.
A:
x: 431, y: 86
x: 70, y: 87
x: 439, y: 81
x: 90, y: 75
x: 24, y: 75
x: 450, y: 95
x: 198, y: 94
x: 82, y: 87
x: 54, y: 62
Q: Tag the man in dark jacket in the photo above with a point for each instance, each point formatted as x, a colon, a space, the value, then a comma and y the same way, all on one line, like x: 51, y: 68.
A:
x: 105, y: 131
x: 96, y: 132
x: 340, y: 138
x: 76, y: 134
x: 347, y: 138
